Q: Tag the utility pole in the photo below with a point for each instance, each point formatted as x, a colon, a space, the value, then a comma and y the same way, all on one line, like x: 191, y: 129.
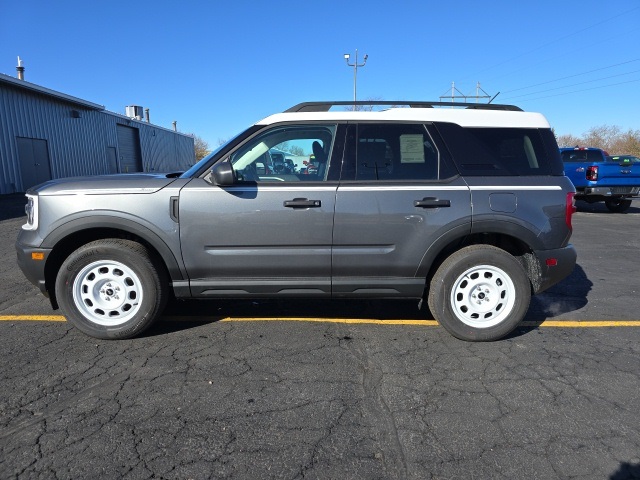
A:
x: 355, y: 66
x: 478, y: 90
x: 453, y: 95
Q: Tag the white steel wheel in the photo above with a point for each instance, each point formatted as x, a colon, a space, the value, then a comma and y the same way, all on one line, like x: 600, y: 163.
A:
x: 483, y: 296
x: 479, y: 293
x: 107, y: 293
x: 112, y: 288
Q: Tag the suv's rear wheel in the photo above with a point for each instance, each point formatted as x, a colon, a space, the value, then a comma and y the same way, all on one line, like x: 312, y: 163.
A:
x: 111, y: 289
x: 617, y: 205
x: 480, y: 293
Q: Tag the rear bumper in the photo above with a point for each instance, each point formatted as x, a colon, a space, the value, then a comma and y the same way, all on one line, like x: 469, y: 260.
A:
x: 623, y: 191
x: 554, y: 266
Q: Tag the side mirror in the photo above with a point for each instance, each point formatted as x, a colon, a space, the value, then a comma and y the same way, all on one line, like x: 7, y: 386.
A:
x: 223, y: 174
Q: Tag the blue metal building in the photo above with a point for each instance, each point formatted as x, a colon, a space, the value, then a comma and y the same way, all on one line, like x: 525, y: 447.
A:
x: 46, y: 134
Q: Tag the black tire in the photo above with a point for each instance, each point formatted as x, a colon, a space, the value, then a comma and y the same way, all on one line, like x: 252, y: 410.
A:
x: 480, y: 293
x: 111, y: 289
x: 618, y: 205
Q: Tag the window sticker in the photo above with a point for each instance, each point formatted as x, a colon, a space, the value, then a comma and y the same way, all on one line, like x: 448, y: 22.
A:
x: 412, y: 148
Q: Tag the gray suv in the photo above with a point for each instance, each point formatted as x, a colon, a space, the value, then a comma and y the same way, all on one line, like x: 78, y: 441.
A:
x: 465, y: 206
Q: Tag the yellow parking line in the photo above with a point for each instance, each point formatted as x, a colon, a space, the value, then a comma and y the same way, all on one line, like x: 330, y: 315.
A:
x: 431, y: 323
x: 583, y: 323
x: 369, y: 321
x: 32, y: 318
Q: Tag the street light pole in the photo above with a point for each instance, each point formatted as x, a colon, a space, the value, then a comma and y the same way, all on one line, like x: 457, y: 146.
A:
x: 355, y: 66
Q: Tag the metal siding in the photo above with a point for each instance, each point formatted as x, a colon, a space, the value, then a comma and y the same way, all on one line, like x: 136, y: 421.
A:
x: 78, y: 146
x: 159, y: 152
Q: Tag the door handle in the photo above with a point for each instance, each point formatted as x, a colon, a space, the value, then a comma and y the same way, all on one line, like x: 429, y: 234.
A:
x: 431, y: 202
x: 302, y: 203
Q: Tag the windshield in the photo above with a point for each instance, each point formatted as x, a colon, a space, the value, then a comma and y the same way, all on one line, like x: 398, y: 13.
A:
x: 197, y: 168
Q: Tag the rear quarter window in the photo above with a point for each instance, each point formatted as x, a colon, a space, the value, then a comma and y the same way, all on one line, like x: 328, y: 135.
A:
x: 502, y: 151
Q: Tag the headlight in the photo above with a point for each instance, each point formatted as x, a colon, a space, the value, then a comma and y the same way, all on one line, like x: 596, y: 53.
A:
x: 31, y: 209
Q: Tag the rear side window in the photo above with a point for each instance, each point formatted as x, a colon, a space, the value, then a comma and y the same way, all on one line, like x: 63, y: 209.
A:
x: 393, y: 151
x: 582, y: 156
x: 498, y: 151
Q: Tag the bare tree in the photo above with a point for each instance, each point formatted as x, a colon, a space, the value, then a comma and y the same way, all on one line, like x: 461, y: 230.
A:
x: 569, y: 140
x: 604, y: 137
x: 629, y: 143
x: 200, y: 146
x: 610, y: 138
x: 364, y: 108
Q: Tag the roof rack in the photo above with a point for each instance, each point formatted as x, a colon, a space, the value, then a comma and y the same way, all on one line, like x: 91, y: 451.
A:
x: 326, y: 106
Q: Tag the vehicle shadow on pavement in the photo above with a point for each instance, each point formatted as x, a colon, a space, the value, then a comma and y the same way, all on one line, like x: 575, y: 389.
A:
x: 626, y: 471
x: 185, y: 314
x: 567, y: 296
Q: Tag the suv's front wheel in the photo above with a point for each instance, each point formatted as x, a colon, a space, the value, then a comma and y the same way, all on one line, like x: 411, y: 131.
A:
x: 480, y: 293
x: 111, y: 289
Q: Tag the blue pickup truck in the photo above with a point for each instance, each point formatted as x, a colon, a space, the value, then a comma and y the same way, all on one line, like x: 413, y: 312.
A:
x: 599, y: 177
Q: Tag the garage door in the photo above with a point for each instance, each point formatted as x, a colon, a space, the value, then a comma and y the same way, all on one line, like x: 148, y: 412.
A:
x: 129, y: 149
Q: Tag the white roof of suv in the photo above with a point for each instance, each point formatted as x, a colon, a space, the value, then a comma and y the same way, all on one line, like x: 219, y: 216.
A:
x: 472, y: 115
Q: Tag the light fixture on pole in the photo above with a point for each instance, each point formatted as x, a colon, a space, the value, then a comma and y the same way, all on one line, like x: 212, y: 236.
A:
x: 355, y: 66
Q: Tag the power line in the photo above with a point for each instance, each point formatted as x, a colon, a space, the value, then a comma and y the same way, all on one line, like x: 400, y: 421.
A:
x: 573, y: 84
x: 558, y: 40
x: 571, y: 76
x: 580, y: 91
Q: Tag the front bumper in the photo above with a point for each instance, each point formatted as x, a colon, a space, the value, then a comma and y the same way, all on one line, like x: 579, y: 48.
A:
x: 554, y: 265
x: 32, y: 261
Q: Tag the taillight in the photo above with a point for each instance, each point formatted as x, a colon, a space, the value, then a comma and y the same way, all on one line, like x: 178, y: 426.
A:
x: 592, y: 173
x: 570, y: 209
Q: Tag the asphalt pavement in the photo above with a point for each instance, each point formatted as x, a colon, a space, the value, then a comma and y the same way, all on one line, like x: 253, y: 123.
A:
x: 259, y: 389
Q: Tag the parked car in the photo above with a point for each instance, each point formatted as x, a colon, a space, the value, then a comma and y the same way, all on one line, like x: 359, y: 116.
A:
x: 597, y: 177
x: 466, y: 208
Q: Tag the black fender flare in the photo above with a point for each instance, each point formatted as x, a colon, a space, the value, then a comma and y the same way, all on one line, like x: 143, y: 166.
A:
x: 459, y: 232
x: 101, y: 221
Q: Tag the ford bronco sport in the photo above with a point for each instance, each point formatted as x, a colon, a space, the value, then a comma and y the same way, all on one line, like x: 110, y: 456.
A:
x: 465, y: 206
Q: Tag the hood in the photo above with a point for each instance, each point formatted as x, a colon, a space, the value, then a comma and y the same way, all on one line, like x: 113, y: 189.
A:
x: 129, y: 183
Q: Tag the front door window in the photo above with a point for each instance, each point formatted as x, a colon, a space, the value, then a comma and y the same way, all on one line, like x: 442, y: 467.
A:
x: 286, y: 154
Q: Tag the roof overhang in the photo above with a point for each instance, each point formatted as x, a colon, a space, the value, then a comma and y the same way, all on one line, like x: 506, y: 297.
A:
x: 32, y: 87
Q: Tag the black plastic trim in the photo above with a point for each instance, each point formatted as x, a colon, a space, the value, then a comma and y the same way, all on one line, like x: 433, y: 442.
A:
x: 326, y: 106
x: 78, y: 225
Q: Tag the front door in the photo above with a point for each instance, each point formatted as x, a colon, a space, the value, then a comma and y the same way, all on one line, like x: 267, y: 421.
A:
x: 271, y: 232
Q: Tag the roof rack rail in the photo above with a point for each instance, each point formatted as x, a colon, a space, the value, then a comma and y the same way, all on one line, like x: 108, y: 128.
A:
x: 326, y: 106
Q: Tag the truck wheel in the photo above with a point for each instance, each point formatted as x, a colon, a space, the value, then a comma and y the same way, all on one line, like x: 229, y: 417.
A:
x: 617, y: 205
x: 480, y: 293
x: 111, y: 289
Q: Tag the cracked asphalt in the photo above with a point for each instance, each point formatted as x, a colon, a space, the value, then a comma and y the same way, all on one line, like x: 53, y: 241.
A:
x: 199, y: 398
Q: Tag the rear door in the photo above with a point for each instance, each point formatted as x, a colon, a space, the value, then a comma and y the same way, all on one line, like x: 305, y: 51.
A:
x: 399, y: 195
x: 270, y: 233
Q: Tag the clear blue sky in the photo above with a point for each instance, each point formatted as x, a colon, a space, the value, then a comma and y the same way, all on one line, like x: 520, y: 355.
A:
x: 216, y: 67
